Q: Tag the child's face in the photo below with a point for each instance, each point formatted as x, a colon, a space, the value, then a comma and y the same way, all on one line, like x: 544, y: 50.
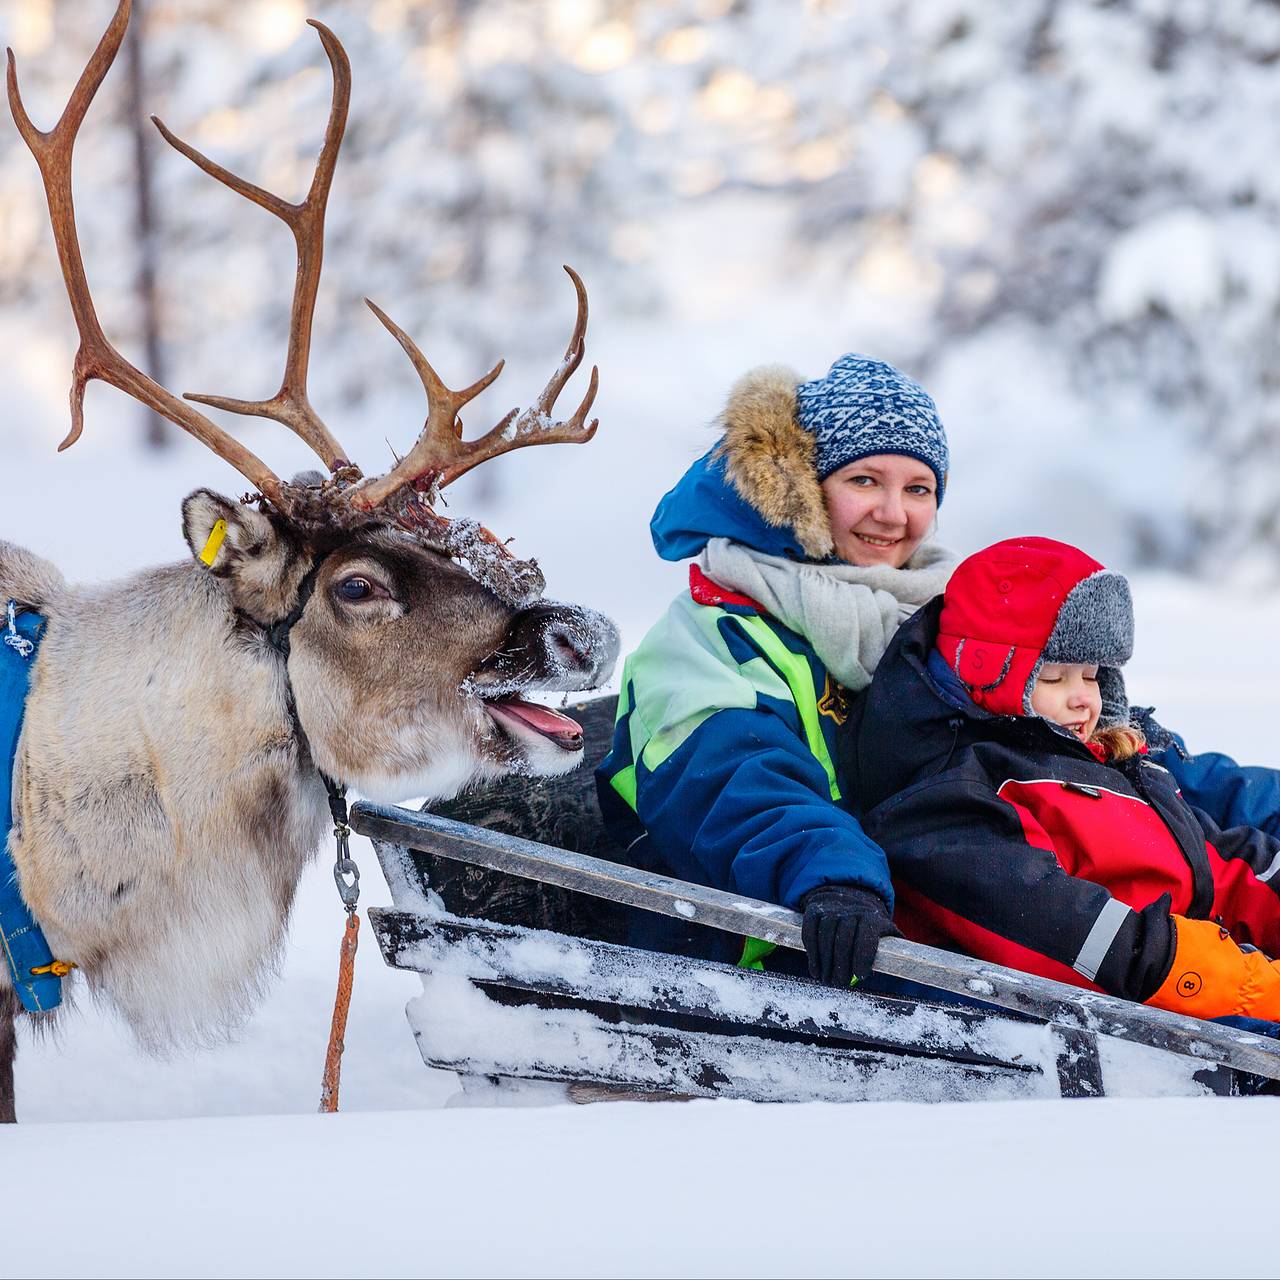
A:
x: 1067, y: 693
x: 880, y: 508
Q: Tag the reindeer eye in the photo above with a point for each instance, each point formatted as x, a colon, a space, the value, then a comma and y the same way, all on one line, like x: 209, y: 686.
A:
x: 355, y: 589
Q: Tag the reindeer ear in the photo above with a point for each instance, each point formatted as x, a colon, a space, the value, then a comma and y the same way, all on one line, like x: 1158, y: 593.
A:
x: 221, y: 532
x: 257, y: 557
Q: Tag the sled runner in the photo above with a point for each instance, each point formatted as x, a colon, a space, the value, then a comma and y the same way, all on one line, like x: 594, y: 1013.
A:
x: 526, y: 976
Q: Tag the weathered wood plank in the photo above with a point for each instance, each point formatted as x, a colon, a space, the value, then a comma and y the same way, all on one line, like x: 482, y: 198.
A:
x: 459, y: 1029
x: 534, y: 961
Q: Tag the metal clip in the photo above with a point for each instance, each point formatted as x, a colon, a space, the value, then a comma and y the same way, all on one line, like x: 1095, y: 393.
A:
x: 346, y: 875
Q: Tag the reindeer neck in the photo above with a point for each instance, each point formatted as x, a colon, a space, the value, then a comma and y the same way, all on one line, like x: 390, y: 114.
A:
x: 277, y: 635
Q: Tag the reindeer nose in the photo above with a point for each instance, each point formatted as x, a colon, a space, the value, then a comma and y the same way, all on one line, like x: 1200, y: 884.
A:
x: 578, y: 645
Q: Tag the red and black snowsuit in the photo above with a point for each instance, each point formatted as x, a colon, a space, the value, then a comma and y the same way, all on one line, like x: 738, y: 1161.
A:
x: 1009, y: 840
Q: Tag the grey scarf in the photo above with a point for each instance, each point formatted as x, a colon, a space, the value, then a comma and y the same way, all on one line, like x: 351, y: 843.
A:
x: 848, y: 613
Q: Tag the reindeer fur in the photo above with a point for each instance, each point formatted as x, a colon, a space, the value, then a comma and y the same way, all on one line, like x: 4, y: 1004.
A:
x: 162, y: 813
x: 164, y: 806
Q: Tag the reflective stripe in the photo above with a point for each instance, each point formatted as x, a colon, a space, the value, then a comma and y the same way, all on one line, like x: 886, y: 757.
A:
x: 682, y: 674
x: 1271, y: 870
x: 799, y: 676
x: 624, y: 783
x: 1100, y: 938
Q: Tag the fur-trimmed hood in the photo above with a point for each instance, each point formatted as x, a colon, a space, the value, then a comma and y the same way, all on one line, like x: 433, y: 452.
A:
x: 757, y: 486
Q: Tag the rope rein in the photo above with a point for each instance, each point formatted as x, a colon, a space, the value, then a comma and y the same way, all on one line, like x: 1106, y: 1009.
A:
x: 24, y: 646
x: 346, y: 874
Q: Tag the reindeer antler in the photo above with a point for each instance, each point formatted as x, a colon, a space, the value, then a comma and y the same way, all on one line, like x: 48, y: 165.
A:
x: 96, y: 357
x: 440, y: 455
x: 290, y: 404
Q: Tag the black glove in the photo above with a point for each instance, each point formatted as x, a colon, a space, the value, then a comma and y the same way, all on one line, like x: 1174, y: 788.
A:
x: 841, y: 931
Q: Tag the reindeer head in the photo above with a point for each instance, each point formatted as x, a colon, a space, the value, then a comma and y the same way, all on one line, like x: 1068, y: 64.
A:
x: 409, y: 638
x: 406, y: 671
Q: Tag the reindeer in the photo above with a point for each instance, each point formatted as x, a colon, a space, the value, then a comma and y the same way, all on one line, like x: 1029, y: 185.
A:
x: 182, y: 725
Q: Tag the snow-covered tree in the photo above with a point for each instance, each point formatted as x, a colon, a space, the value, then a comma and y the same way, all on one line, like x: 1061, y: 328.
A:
x: 1088, y: 184
x: 1075, y: 194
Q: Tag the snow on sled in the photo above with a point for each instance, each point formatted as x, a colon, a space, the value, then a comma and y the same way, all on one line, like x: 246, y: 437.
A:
x: 526, y: 976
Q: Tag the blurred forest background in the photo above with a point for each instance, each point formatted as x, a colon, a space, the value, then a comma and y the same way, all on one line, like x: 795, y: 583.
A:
x: 1061, y: 215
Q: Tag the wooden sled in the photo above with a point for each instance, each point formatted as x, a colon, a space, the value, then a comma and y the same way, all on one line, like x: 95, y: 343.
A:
x: 512, y: 904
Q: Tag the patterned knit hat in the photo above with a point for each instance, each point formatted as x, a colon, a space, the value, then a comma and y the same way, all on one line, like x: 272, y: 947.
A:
x: 865, y: 407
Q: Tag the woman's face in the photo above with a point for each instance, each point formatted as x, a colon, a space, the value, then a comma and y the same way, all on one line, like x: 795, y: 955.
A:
x: 880, y: 508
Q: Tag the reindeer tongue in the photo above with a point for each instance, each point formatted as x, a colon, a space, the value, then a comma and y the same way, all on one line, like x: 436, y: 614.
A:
x: 551, y: 724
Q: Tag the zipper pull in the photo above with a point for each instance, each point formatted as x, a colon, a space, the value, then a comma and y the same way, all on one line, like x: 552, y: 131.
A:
x: 1082, y: 790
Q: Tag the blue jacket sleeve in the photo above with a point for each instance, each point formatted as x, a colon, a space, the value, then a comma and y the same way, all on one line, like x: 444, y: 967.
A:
x: 745, y: 806
x: 1233, y: 795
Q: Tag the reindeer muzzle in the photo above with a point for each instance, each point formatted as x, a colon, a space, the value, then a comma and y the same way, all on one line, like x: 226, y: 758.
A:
x: 557, y: 646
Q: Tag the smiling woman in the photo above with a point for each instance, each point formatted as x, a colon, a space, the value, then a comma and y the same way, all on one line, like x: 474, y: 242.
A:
x: 808, y: 521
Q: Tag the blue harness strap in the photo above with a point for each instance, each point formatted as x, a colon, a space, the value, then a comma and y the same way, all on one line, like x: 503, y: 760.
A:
x: 25, y: 948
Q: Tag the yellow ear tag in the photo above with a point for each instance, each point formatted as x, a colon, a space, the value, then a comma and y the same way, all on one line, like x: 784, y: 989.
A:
x: 214, y: 545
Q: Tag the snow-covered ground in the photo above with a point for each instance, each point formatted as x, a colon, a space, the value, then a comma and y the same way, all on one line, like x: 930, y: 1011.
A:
x: 224, y: 1169
x: 637, y: 1189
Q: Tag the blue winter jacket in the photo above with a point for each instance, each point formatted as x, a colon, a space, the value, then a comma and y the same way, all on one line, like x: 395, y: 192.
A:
x: 722, y: 769
x: 1233, y: 795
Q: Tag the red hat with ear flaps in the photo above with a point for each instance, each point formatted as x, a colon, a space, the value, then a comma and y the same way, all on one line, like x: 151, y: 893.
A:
x: 1021, y: 603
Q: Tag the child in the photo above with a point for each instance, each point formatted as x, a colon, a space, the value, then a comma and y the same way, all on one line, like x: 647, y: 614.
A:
x: 995, y: 763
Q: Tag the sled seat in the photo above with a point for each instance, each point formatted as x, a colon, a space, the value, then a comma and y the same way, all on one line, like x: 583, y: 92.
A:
x: 528, y: 979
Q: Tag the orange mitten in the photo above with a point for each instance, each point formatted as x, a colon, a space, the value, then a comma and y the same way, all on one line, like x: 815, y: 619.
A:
x: 1212, y: 976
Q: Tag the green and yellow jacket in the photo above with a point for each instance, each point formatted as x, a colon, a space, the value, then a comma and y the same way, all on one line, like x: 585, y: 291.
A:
x: 723, y: 767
